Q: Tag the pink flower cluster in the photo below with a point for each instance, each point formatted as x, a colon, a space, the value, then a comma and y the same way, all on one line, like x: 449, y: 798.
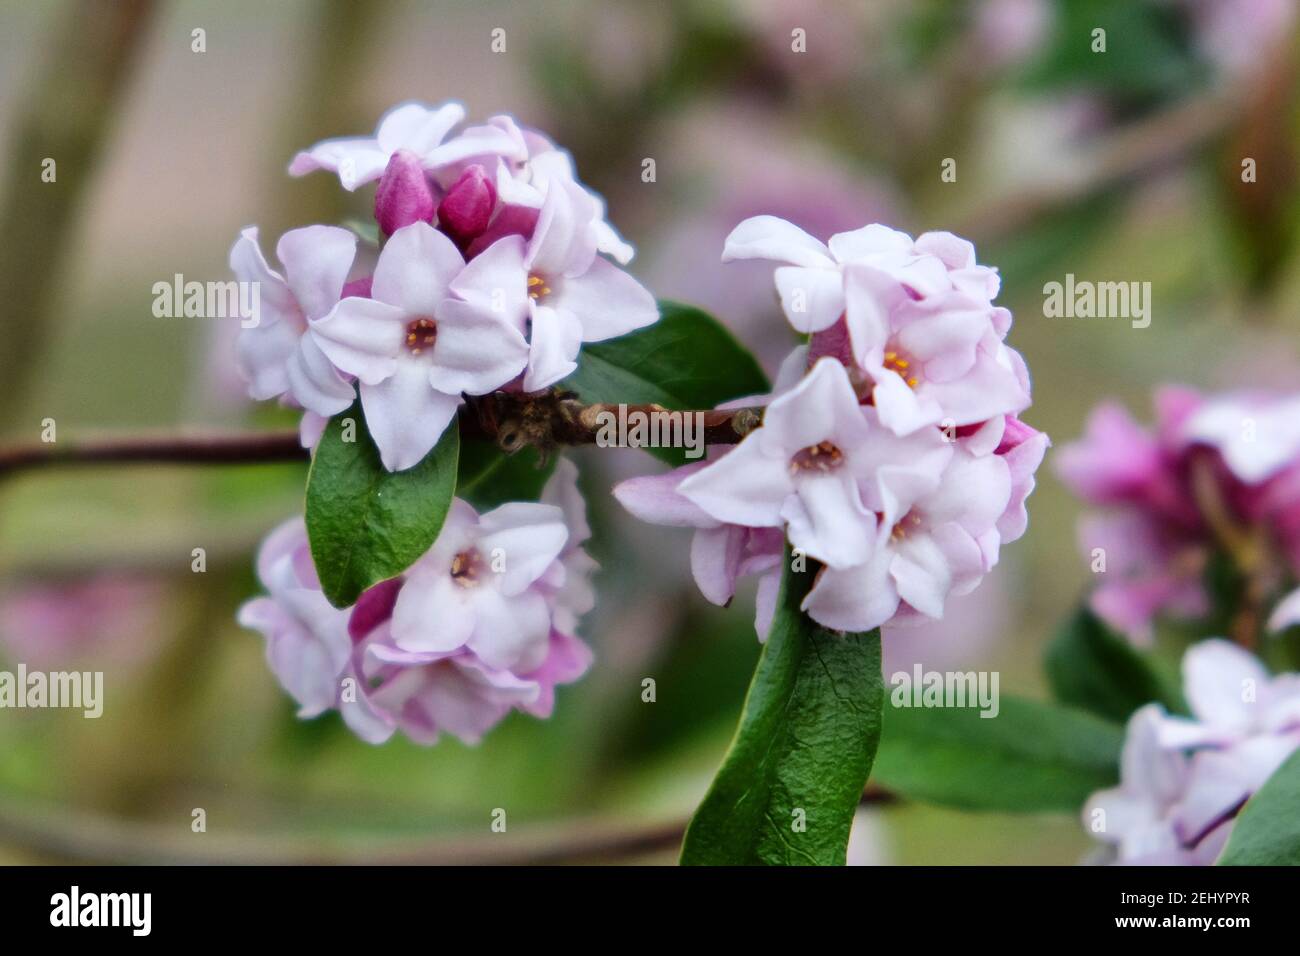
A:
x: 484, y: 623
x: 491, y: 277
x: 890, y: 451
x: 1215, y: 475
x: 1183, y: 780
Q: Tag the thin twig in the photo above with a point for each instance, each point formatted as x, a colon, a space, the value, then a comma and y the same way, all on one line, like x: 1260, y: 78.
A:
x: 543, y: 420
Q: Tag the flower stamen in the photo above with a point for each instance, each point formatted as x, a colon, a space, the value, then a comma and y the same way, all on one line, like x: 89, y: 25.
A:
x: 823, y: 456
x: 420, y: 335
x: 896, y: 363
x: 537, y: 287
x: 465, y: 568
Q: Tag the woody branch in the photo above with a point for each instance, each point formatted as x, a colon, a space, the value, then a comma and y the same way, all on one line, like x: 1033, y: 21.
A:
x: 544, y: 420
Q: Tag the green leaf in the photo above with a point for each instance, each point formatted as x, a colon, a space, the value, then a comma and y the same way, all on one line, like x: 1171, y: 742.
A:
x: 489, y: 477
x: 803, y: 750
x: 1091, y: 667
x: 367, y: 524
x: 1149, y: 57
x: 1267, y: 832
x: 685, y: 360
x: 1031, y: 757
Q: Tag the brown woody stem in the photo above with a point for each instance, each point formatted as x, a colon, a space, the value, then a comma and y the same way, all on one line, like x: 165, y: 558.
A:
x: 544, y: 420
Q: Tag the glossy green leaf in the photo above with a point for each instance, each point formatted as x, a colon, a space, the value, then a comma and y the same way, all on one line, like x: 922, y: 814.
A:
x: 489, y: 477
x: 1267, y: 832
x: 1031, y: 757
x: 794, y: 775
x: 367, y: 524
x: 685, y: 360
x: 1091, y: 667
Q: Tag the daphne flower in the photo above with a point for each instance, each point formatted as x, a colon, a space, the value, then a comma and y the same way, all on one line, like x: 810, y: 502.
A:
x: 1184, y: 780
x: 557, y: 286
x: 507, y: 595
x: 281, y: 355
x: 477, y: 587
x: 307, y: 642
x: 1214, y: 475
x: 936, y: 536
x: 1137, y: 817
x: 916, y: 316
x: 412, y: 127
x: 804, y: 465
x: 414, y: 348
x: 1232, y: 698
x: 811, y: 286
x: 721, y: 553
x: 1258, y: 434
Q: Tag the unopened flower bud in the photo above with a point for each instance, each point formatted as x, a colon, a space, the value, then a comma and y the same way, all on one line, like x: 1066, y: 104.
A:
x: 467, y: 208
x: 404, y: 195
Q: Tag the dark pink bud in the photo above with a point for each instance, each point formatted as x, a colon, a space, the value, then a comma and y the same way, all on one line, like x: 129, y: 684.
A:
x: 405, y: 194
x: 467, y: 208
x: 373, y: 608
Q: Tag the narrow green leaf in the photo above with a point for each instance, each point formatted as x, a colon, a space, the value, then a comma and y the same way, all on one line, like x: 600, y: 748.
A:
x: 366, y: 524
x: 685, y: 360
x: 1031, y: 757
x: 794, y: 774
x: 1267, y: 832
x: 1091, y: 667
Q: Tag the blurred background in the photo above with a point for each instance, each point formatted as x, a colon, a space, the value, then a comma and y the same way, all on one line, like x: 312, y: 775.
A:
x: 1124, y: 165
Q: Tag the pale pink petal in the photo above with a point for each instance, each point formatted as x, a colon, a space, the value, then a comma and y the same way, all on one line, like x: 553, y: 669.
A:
x: 527, y: 536
x: 510, y: 633
x: 316, y: 261
x: 827, y: 519
x: 315, y: 383
x: 854, y: 599
x: 415, y: 268
x: 475, y: 351
x: 606, y: 300
x: 405, y: 415
x: 744, y: 486
x: 497, y: 280
x: 812, y: 299
x: 1222, y: 682
x: 656, y: 499
x: 357, y: 160
x: 767, y: 237
x: 715, y: 561
x: 416, y: 127
x: 432, y: 613
x: 362, y: 337
x: 555, y: 337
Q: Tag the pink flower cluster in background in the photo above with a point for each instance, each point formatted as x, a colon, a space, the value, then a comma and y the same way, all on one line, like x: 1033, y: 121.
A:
x: 891, y: 450
x: 492, y: 276
x: 1183, y: 780
x: 1218, y: 474
x: 484, y: 623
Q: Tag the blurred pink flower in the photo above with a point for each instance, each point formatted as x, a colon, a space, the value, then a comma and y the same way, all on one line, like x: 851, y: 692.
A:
x: 108, y: 616
x: 1238, y: 35
x: 481, y: 625
x: 1212, y: 474
x: 1183, y: 780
